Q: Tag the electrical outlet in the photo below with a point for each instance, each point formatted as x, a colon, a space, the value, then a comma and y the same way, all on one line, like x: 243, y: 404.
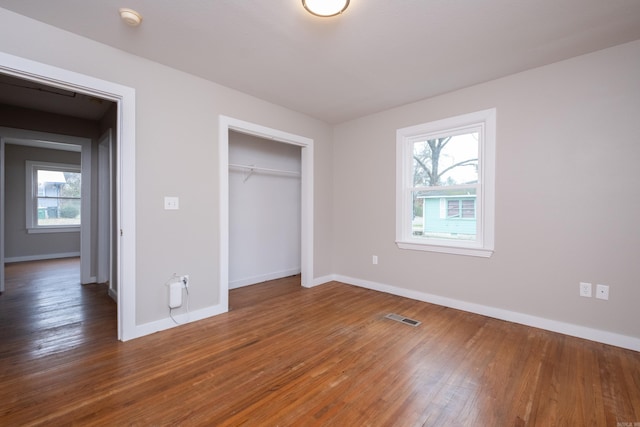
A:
x: 185, y: 280
x: 374, y: 259
x: 585, y: 289
x: 171, y: 203
x: 602, y: 291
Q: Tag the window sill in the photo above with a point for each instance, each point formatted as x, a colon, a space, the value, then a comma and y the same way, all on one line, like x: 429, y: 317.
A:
x: 447, y: 249
x: 53, y: 230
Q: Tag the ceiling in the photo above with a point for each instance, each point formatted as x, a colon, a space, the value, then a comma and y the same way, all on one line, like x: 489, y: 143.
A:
x: 377, y: 55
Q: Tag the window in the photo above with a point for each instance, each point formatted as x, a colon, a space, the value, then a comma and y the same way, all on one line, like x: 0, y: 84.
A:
x: 445, y: 185
x: 461, y: 208
x: 53, y: 197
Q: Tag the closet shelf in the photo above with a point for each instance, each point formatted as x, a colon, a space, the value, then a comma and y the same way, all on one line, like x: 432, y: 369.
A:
x: 254, y: 168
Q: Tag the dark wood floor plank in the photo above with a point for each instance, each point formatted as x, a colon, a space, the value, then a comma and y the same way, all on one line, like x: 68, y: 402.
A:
x: 286, y: 355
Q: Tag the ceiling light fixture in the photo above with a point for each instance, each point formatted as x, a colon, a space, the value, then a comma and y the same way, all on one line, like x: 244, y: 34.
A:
x: 130, y: 17
x: 325, y: 8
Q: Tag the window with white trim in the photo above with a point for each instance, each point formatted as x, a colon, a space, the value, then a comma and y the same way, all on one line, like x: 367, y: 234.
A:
x: 445, y: 185
x: 53, y: 197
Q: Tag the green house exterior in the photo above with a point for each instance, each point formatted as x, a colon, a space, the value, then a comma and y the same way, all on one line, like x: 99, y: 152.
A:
x: 449, y: 216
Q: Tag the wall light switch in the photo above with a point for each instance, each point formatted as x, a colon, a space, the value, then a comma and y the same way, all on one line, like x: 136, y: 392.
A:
x: 171, y: 203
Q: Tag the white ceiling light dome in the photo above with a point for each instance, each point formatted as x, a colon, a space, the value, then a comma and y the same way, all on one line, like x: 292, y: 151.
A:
x: 325, y: 8
x: 130, y: 17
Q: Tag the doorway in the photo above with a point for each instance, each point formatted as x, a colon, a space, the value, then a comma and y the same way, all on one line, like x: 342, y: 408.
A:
x: 124, y: 98
x: 47, y: 234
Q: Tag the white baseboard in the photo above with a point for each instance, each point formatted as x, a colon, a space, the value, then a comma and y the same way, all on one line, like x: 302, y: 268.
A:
x: 591, y: 334
x: 113, y: 294
x: 182, y: 318
x: 41, y: 257
x: 263, y: 278
x: 322, y: 280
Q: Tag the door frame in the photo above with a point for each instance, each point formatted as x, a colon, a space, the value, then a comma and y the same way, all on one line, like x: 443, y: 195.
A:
x: 124, y: 97
x: 306, y: 197
x: 104, y: 235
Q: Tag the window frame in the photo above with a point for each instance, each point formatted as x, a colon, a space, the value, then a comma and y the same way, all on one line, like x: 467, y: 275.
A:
x: 31, y: 196
x: 485, y: 122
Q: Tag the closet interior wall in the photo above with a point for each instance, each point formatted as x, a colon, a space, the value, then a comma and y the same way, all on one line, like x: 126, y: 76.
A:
x: 264, y: 209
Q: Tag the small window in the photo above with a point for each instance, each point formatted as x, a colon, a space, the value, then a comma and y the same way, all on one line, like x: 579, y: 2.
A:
x: 53, y: 197
x: 461, y: 208
x: 445, y: 185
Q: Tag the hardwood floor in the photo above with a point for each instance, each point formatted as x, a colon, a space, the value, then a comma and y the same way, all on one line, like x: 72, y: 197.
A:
x: 285, y: 355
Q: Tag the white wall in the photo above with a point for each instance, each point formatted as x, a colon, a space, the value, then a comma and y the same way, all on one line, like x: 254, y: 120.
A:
x: 568, y: 201
x: 264, y: 210
x: 176, y: 146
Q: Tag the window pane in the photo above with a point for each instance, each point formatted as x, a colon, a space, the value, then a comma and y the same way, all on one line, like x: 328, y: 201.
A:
x: 444, y: 214
x: 451, y: 160
x: 53, y: 183
x: 71, y: 187
x: 58, y: 197
x: 58, y: 211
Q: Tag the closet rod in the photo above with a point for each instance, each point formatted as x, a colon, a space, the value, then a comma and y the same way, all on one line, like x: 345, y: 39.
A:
x: 256, y: 168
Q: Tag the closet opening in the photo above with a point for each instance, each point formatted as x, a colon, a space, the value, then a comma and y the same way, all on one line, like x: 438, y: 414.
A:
x: 264, y: 210
x: 266, y: 206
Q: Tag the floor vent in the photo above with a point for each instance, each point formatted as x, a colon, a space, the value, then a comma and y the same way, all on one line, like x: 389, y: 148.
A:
x: 402, y: 319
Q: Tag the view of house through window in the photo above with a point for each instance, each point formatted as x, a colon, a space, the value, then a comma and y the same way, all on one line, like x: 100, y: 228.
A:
x: 55, y: 195
x: 445, y: 177
x: 445, y: 187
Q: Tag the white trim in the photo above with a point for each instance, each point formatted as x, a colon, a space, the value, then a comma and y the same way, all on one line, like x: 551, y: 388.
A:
x: 223, y: 190
x: 225, y: 125
x: 323, y: 279
x: 263, y: 278
x: 53, y: 229
x: 86, y: 222
x: 597, y: 335
x: 104, y: 217
x: 446, y: 249
x: 183, y: 318
x: 485, y: 123
x: 51, y: 145
x: 113, y: 294
x: 41, y: 257
x: 125, y: 142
